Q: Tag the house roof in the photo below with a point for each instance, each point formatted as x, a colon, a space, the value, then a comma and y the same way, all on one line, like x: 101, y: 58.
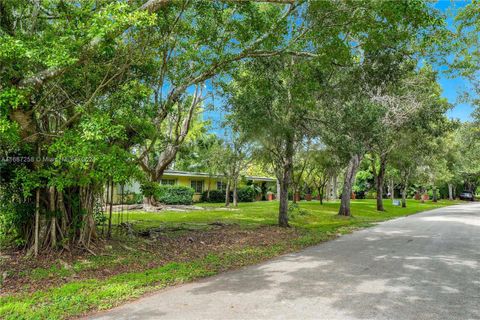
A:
x: 178, y: 173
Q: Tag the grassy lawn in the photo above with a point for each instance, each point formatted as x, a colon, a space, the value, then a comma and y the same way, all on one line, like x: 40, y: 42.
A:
x: 188, y: 247
x: 320, y: 217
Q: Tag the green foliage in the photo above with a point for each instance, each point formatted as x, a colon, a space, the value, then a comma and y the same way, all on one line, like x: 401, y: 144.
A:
x: 16, y: 203
x: 321, y: 164
x: 174, y: 194
x: 465, y: 46
x: 11, y: 98
x: 9, y: 135
x: 15, y: 217
x: 465, y: 160
x: 201, y: 152
x: 370, y: 194
x: 168, y: 194
x: 363, y: 180
x: 78, y: 80
x: 215, y: 196
x: 247, y: 193
x: 106, y: 89
x: 149, y: 189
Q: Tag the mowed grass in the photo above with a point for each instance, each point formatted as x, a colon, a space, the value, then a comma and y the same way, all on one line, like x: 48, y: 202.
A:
x: 316, y: 222
x: 320, y: 217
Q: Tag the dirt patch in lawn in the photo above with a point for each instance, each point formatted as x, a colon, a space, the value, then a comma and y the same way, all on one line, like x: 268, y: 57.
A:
x: 130, y: 254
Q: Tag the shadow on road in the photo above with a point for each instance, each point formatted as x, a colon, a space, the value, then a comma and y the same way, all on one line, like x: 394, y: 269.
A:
x: 391, y: 271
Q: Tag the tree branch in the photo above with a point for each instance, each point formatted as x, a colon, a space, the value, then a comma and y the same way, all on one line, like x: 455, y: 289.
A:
x: 150, y: 6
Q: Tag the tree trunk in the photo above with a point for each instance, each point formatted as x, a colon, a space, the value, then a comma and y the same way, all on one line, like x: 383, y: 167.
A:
x: 235, y: 195
x: 392, y: 190
x: 320, y: 195
x: 53, y: 221
x: 278, y: 189
x: 328, y: 187
x: 348, y: 184
x: 149, y: 201
x: 379, y: 184
x: 450, y: 191
x: 227, y: 194
x: 334, y: 190
x: 404, y: 196
x: 88, y: 228
x: 64, y: 217
x: 434, y: 194
x: 283, y: 209
x: 109, y: 230
x: 37, y: 221
x: 294, y: 194
x: 287, y: 169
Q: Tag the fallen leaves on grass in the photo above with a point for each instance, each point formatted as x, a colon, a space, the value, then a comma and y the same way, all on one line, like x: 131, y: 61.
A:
x: 130, y: 255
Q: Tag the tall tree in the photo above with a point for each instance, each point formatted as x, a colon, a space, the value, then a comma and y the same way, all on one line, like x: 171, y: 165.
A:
x: 322, y: 165
x: 418, y: 145
x: 269, y: 103
x: 404, y: 105
x: 301, y: 159
x: 65, y: 66
x: 465, y: 46
x: 468, y: 165
x: 370, y: 67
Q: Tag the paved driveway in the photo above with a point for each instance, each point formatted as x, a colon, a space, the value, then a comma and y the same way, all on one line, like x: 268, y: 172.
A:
x: 425, y: 266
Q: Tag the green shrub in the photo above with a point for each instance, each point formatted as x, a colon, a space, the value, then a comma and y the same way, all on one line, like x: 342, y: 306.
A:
x: 174, y: 194
x: 359, y: 194
x: 149, y: 189
x: 15, y: 216
x: 216, y: 196
x: 246, y: 194
x: 371, y: 194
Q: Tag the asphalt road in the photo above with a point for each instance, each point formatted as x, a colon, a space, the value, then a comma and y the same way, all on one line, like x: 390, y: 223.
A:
x: 426, y: 266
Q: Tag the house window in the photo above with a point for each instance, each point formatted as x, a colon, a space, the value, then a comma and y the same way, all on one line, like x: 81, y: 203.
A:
x: 197, y: 186
x: 166, y: 182
x: 221, y: 186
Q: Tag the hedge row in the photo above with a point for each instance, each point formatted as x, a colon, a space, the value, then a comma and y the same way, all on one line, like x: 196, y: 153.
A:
x: 169, y: 194
x: 215, y: 196
x: 245, y: 194
x: 176, y: 194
